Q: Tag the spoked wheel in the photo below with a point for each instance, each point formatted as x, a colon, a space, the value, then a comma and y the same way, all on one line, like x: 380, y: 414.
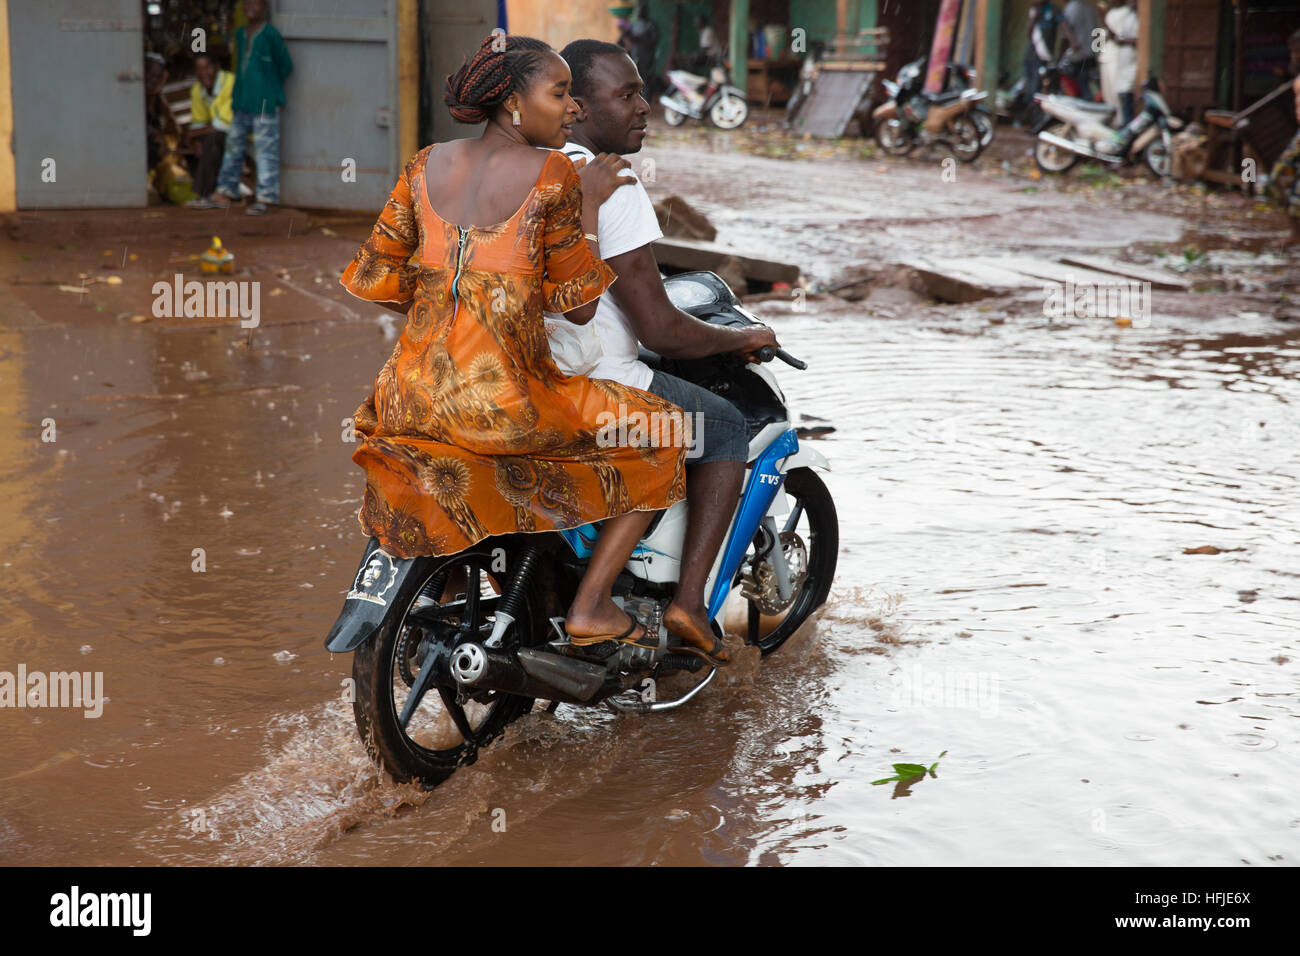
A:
x: 1051, y: 158
x: 984, y: 123
x: 672, y: 117
x: 1159, y: 155
x: 892, y: 137
x: 729, y: 111
x: 406, y: 705
x: 810, y: 540
x: 966, y: 142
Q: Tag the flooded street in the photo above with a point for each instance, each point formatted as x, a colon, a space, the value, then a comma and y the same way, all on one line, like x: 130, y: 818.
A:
x: 1068, y: 564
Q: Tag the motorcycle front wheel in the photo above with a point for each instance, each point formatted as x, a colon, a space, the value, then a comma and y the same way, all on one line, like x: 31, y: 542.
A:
x: 966, y: 142
x: 810, y: 541
x: 893, y: 138
x: 1052, y: 159
x: 729, y: 111
x: 1158, y: 156
x: 984, y: 123
x: 454, y: 600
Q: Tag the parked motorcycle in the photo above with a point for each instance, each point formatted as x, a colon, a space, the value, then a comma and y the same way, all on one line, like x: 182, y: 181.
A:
x: 912, y: 117
x: 691, y: 95
x: 961, y: 77
x: 1078, y: 129
x: 450, y: 650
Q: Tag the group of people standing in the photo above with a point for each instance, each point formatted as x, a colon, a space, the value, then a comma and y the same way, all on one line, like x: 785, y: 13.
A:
x: 229, y: 110
x: 1099, y: 48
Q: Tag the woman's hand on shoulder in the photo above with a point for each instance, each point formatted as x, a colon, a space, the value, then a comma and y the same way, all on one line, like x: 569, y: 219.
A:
x: 600, y: 177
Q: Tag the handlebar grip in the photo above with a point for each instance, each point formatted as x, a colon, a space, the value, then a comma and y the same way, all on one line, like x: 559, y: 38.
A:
x: 767, y: 353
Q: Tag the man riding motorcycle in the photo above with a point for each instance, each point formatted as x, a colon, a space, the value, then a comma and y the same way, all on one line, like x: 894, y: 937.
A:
x: 607, y: 88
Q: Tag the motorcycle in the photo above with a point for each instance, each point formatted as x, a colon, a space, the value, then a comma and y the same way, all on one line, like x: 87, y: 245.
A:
x: 961, y: 77
x: 912, y: 117
x: 1077, y: 128
x: 448, y: 651
x: 691, y: 95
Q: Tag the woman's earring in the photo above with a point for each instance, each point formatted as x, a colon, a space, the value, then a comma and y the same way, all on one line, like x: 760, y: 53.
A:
x: 516, y: 117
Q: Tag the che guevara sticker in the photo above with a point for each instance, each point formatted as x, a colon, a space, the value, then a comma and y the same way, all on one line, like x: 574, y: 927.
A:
x: 375, y: 578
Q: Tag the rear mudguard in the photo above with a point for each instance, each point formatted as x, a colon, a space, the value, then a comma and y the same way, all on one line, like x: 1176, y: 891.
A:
x: 370, y: 598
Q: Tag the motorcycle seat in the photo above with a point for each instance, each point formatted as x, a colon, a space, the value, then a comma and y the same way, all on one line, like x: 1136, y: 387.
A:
x: 1088, y: 106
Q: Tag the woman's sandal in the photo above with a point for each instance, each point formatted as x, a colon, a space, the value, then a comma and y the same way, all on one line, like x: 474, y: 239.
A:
x: 645, y: 640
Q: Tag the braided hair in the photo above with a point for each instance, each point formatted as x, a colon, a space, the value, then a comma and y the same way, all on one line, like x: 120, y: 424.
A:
x: 490, y: 75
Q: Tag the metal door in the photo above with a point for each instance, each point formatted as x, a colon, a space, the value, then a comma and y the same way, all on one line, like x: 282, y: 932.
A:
x: 340, y: 117
x: 77, y: 76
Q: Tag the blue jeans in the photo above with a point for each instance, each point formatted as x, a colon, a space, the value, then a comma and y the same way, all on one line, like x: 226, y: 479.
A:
x: 720, y: 432
x: 265, y: 130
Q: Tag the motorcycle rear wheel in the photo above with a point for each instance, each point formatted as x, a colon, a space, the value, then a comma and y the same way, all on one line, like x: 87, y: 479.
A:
x: 672, y: 117
x: 1052, y: 159
x: 813, y: 519
x: 441, y: 734
x: 728, y: 111
x: 966, y: 142
x: 893, y: 137
x: 984, y: 123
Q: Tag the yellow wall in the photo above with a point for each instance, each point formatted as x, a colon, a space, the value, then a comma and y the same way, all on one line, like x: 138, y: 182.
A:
x: 559, y: 23
x: 8, y: 173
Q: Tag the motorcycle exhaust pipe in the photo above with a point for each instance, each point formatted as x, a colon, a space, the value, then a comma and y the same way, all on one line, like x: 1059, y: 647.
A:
x: 528, y: 672
x: 1060, y: 142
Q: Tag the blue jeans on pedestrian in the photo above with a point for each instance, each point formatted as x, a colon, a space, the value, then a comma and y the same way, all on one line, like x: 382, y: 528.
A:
x: 265, y: 130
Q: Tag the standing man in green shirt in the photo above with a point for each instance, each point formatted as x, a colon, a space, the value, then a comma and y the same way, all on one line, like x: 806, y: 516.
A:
x: 261, y: 66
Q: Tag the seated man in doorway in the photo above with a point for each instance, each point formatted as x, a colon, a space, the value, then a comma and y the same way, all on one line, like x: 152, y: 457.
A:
x: 607, y: 88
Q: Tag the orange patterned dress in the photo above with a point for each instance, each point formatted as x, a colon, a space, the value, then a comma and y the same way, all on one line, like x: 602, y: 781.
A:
x: 471, y: 430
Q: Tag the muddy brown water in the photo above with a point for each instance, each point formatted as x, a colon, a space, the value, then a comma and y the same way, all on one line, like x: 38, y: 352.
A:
x: 1015, y: 498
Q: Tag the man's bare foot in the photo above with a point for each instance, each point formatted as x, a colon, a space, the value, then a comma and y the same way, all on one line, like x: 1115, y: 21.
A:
x: 694, y: 629
x: 607, y: 622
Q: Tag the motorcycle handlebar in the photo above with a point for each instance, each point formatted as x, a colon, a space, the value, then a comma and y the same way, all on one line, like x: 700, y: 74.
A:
x: 767, y: 353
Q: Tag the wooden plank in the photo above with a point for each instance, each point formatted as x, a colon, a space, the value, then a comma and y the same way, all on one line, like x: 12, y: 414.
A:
x: 966, y: 280
x: 682, y: 253
x: 1048, y: 270
x: 1158, y: 278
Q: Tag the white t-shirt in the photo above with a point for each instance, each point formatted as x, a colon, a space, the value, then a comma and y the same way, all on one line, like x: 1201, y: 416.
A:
x: 1123, y: 22
x: 626, y: 221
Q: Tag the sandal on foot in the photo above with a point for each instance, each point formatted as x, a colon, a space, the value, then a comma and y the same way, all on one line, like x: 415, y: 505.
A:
x: 645, y: 640
x: 709, y: 656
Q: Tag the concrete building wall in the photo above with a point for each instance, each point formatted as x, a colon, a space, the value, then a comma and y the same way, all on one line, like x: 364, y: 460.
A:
x: 558, y: 23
